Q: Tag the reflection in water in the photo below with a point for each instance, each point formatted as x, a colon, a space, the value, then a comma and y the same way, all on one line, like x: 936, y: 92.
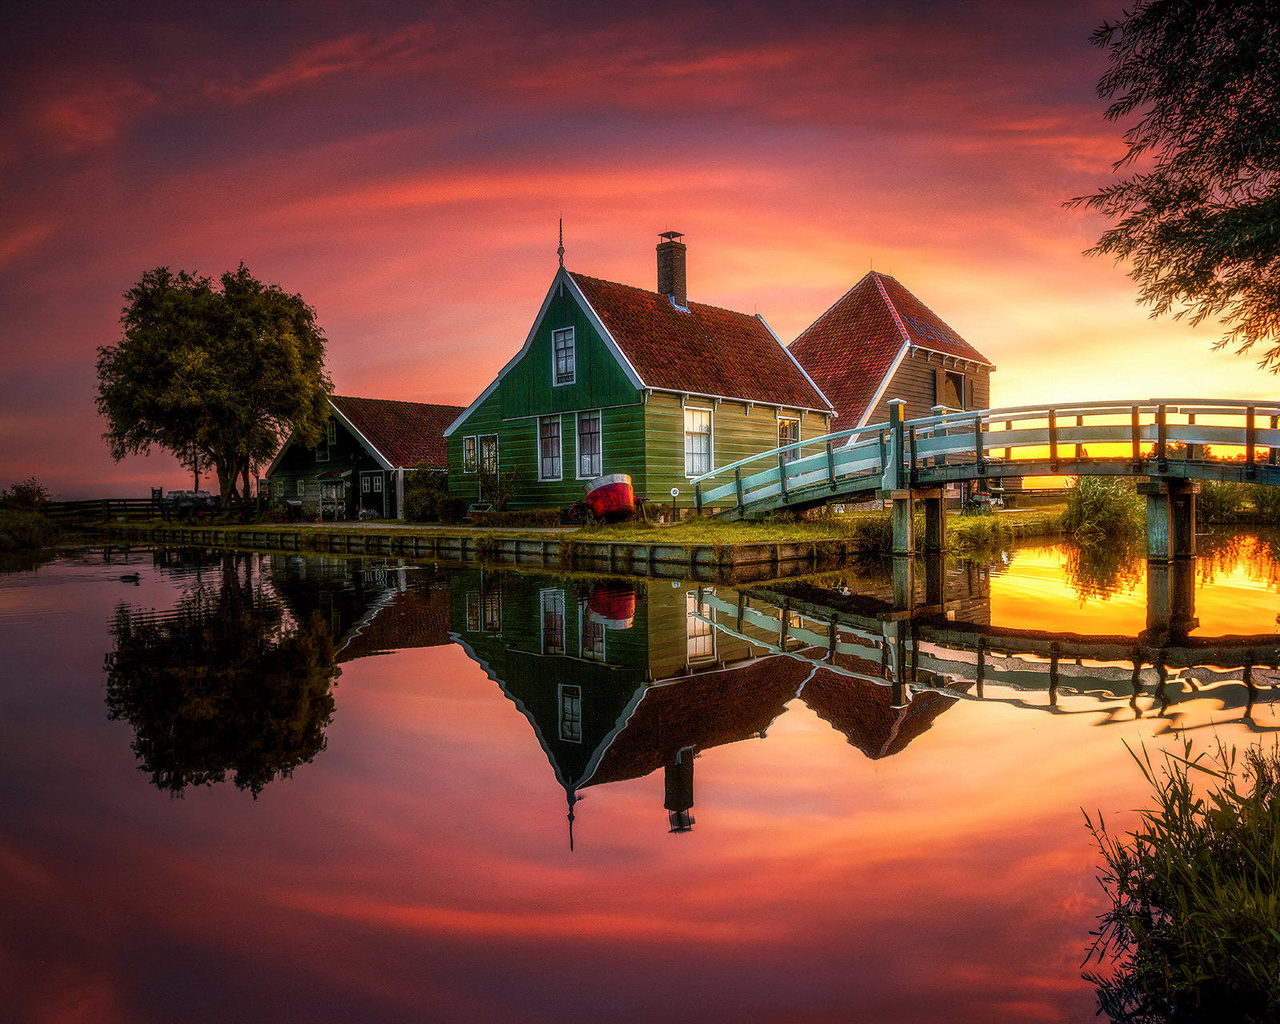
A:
x: 224, y: 683
x: 1100, y: 570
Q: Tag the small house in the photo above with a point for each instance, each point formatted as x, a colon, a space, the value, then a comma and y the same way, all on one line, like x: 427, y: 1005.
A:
x: 617, y: 379
x: 879, y: 342
x: 360, y: 463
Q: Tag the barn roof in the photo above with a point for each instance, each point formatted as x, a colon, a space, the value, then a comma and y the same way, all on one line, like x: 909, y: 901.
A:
x: 699, y: 349
x: 406, y: 434
x: 857, y: 343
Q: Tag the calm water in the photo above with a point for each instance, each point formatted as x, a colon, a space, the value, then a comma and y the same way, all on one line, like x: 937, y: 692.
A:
x: 251, y: 788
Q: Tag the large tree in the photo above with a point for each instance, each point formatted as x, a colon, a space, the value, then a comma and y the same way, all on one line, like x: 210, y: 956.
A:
x: 1198, y: 214
x: 217, y: 376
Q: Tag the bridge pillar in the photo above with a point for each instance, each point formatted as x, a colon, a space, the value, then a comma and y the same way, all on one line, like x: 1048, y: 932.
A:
x: 935, y: 582
x: 935, y: 520
x: 1171, y: 554
x: 904, y: 583
x: 904, y: 522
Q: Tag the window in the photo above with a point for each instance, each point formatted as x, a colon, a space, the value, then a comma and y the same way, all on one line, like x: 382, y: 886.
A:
x: 590, y: 636
x: 469, y: 461
x: 562, y: 356
x: 697, y: 442
x: 589, y: 449
x: 553, y: 622
x: 549, y: 448
x: 571, y: 713
x: 491, y: 610
x: 473, y: 612
x: 331, y: 432
x: 366, y: 484
x: 789, y: 433
x: 950, y: 389
x: 489, y: 453
x: 699, y: 633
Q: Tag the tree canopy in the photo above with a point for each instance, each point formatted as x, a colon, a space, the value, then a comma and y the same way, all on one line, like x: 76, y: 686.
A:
x: 1198, y: 216
x: 218, y: 377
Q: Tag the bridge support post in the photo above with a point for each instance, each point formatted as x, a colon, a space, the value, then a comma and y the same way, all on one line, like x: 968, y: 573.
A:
x: 935, y: 582
x: 935, y: 520
x: 904, y: 522
x: 904, y: 583
x: 1171, y: 554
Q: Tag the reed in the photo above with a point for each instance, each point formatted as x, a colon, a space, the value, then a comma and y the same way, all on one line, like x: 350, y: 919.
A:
x: 1193, y: 931
x: 1103, y: 506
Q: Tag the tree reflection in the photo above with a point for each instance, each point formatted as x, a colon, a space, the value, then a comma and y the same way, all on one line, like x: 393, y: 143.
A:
x: 1100, y: 570
x: 225, y: 683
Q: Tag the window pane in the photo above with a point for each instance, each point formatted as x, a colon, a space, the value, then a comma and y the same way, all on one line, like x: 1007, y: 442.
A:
x: 589, y: 444
x: 549, y: 448
x: 489, y: 453
x: 468, y: 454
x: 697, y: 442
x: 571, y: 714
x: 562, y: 342
x: 789, y: 433
x: 553, y: 622
x: 700, y: 635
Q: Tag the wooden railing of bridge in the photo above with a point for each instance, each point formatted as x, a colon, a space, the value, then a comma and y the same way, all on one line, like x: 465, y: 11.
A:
x: 1154, y: 438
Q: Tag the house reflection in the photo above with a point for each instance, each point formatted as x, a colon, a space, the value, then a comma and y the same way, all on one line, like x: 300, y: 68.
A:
x: 612, y: 697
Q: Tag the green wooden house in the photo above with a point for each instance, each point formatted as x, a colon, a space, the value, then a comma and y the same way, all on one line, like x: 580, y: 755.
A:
x: 617, y: 379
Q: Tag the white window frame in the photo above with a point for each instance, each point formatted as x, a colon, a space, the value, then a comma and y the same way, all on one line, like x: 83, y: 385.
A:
x: 377, y: 484
x: 491, y: 610
x: 544, y: 476
x: 696, y: 630
x: 331, y: 432
x: 473, y: 611
x: 471, y: 460
x: 553, y: 597
x: 794, y: 454
x: 711, y: 444
x: 577, y: 442
x: 481, y: 462
x: 566, y: 334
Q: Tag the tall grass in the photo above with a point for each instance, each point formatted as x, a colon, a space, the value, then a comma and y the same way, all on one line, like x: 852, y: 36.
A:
x: 1238, y: 503
x: 1103, y: 507
x: 1193, y: 931
x: 26, y: 531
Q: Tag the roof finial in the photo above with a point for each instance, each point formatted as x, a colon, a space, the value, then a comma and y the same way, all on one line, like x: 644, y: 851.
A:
x: 560, y: 251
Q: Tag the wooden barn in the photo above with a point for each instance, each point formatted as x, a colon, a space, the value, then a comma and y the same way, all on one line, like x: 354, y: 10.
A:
x: 360, y: 464
x: 880, y: 342
x: 617, y: 379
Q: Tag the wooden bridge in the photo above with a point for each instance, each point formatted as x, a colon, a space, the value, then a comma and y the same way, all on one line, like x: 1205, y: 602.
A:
x: 1166, y: 441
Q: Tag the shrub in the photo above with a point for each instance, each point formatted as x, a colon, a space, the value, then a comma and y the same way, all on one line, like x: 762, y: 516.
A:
x: 1194, y: 923
x: 26, y: 531
x: 424, y: 492
x: 1103, y: 506
x: 27, y: 495
x: 523, y: 517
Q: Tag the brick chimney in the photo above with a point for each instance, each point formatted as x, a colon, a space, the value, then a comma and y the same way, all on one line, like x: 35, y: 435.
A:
x: 671, y: 279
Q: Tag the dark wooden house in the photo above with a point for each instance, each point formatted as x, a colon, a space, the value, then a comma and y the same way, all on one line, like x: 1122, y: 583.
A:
x: 369, y: 445
x: 880, y: 342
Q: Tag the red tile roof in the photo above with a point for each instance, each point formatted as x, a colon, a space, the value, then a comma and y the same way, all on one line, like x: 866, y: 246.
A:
x: 406, y: 433
x: 852, y: 346
x: 702, y: 350
x: 413, y: 618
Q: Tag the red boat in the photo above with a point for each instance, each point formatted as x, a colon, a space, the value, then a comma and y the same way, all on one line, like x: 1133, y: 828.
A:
x: 612, y: 604
x: 611, y: 497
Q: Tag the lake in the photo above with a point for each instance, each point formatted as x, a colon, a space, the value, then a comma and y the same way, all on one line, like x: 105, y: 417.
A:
x: 244, y: 787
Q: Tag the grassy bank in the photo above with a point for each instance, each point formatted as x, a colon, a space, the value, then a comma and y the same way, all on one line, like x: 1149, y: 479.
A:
x: 1193, y: 931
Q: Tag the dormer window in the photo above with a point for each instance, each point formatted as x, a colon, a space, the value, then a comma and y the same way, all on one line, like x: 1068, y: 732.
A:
x: 564, y: 369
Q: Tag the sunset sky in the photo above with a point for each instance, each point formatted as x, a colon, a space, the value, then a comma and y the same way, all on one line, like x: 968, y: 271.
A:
x: 403, y: 166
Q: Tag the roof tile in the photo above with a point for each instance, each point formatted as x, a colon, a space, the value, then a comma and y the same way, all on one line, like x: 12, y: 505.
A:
x: 406, y: 433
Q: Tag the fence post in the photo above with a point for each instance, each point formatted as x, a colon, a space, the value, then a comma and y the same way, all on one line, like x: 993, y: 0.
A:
x: 831, y: 466
x: 977, y: 440
x: 782, y: 475
x: 1161, y: 463
x: 1250, y: 447
x: 1137, y: 440
x: 1053, y: 440
x: 737, y: 486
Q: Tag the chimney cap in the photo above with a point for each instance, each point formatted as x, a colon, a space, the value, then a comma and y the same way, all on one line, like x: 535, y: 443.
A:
x: 671, y: 236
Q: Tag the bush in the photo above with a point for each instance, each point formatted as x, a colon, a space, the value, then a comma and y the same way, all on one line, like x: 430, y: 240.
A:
x: 524, y: 517
x: 1222, y: 502
x: 424, y: 492
x: 1194, y: 923
x: 1103, y: 506
x: 25, y: 496
x: 26, y: 531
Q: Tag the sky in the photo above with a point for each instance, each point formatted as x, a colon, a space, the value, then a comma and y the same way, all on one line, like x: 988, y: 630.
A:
x: 404, y: 167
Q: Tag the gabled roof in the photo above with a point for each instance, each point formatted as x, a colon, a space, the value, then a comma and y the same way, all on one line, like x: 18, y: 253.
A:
x: 699, y: 349
x: 404, y: 434
x: 856, y: 345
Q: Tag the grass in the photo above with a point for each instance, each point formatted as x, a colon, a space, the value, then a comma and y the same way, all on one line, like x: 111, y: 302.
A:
x: 1193, y: 931
x: 1103, y: 507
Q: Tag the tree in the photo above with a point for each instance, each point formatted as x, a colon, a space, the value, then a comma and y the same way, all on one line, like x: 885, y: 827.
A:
x: 1198, y: 217
x: 217, y: 377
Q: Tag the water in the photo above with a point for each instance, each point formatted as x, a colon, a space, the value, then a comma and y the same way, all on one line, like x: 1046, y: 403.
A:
x: 263, y: 788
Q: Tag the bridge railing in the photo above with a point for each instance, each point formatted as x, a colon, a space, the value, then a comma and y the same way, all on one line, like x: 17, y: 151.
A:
x: 1039, y: 439
x: 843, y: 456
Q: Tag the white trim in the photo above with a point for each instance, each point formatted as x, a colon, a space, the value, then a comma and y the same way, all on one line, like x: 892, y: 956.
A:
x: 475, y: 454
x: 577, y: 443
x: 378, y: 457
x: 562, y: 278
x: 739, y: 399
x: 583, y: 618
x: 559, y: 418
x: 711, y: 440
x: 497, y: 454
x: 542, y: 620
x: 812, y: 384
x: 884, y: 385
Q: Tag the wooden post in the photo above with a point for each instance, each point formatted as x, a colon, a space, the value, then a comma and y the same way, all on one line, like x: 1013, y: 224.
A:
x: 737, y: 486
x: 1053, y: 440
x: 977, y: 440
x: 1271, y: 458
x: 697, y: 496
x: 1161, y: 463
x: 893, y: 477
x: 1008, y: 425
x: 1137, y: 440
x: 1191, y: 448
x: 831, y: 466
x: 782, y: 475
x: 911, y: 457
x: 1079, y: 446
x: 1250, y: 445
